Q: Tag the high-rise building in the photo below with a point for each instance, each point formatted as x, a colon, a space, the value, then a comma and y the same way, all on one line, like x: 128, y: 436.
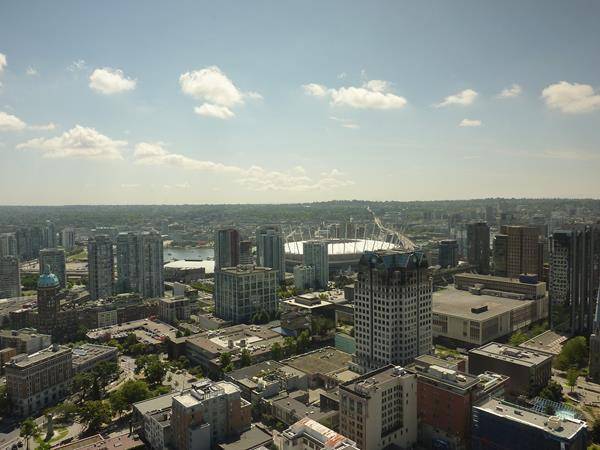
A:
x: 524, y: 250
x: 128, y: 254
x: 49, y: 235
x: 478, y: 246
x: 392, y: 308
x: 315, y: 254
x: 242, y: 291
x: 101, y: 264
x: 499, y: 254
x: 575, y: 274
x: 151, y: 259
x: 55, y: 259
x: 379, y: 409
x: 48, y: 302
x: 269, y: 249
x: 448, y: 253
x: 304, y: 277
x: 246, y: 253
x: 35, y: 382
x: 594, y: 362
x: 68, y: 239
x: 8, y: 244
x: 207, y: 414
x: 10, y: 277
x: 227, y: 248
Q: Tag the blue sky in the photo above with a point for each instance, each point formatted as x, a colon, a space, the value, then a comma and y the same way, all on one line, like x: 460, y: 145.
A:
x: 282, y: 101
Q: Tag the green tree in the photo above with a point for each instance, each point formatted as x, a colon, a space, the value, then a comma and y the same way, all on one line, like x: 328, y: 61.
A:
x: 303, y: 341
x: 225, y: 359
x: 245, y: 358
x: 572, y: 375
x: 573, y: 354
x: 134, y: 391
x: 518, y: 338
x: 289, y: 346
x: 552, y: 391
x: 276, y: 351
x: 29, y: 428
x: 94, y: 413
x: 595, y: 430
x: 155, y: 371
x: 65, y: 412
x: 83, y: 382
x: 4, y: 401
x: 118, y: 403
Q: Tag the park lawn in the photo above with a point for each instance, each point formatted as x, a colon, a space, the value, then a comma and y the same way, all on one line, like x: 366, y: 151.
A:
x: 59, y: 433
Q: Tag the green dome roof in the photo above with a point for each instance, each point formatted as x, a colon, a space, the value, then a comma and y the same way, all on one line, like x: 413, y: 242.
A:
x: 47, y: 279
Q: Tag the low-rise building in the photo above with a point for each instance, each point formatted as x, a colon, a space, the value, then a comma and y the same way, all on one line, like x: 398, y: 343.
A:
x: 474, y: 318
x: 498, y: 424
x: 205, y: 349
x: 525, y: 287
x: 445, y: 399
x: 175, y: 309
x: 528, y: 370
x: 39, y: 380
x: 88, y: 356
x: 326, y: 367
x: 379, y: 409
x: 267, y: 379
x: 307, y: 434
x: 25, y: 340
x: 207, y: 414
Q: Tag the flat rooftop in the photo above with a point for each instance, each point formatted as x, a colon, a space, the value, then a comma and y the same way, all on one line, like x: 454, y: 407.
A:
x: 458, y: 303
x: 148, y: 331
x: 85, y: 352
x: 548, y: 341
x: 328, y: 360
x: 155, y: 404
x: 363, y: 384
x: 515, y: 355
x: 567, y: 430
x: 23, y: 361
x: 493, y: 278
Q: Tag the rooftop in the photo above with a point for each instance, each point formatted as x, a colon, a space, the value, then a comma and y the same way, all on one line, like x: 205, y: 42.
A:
x: 23, y: 361
x: 155, y: 404
x: 341, y: 246
x: 515, y: 355
x: 148, y: 331
x: 493, y: 278
x: 86, y: 352
x: 455, y: 302
x: 564, y: 428
x: 365, y: 383
x: 183, y: 264
x: 326, y: 360
x: 548, y: 341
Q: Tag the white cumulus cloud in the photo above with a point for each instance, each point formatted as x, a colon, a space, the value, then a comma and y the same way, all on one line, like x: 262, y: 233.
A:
x: 571, y: 98
x: 78, y: 142
x: 111, y: 81
x: 216, y: 90
x: 8, y: 122
x: 3, y: 62
x: 463, y: 98
x: 470, y: 123
x: 373, y: 94
x: 253, y: 178
x: 511, y: 92
x: 76, y: 66
x: 210, y: 110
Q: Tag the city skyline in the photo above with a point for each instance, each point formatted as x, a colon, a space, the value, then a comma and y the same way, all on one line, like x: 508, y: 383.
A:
x: 302, y: 103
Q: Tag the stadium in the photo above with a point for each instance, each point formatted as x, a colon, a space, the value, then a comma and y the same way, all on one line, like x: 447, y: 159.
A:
x: 343, y: 253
